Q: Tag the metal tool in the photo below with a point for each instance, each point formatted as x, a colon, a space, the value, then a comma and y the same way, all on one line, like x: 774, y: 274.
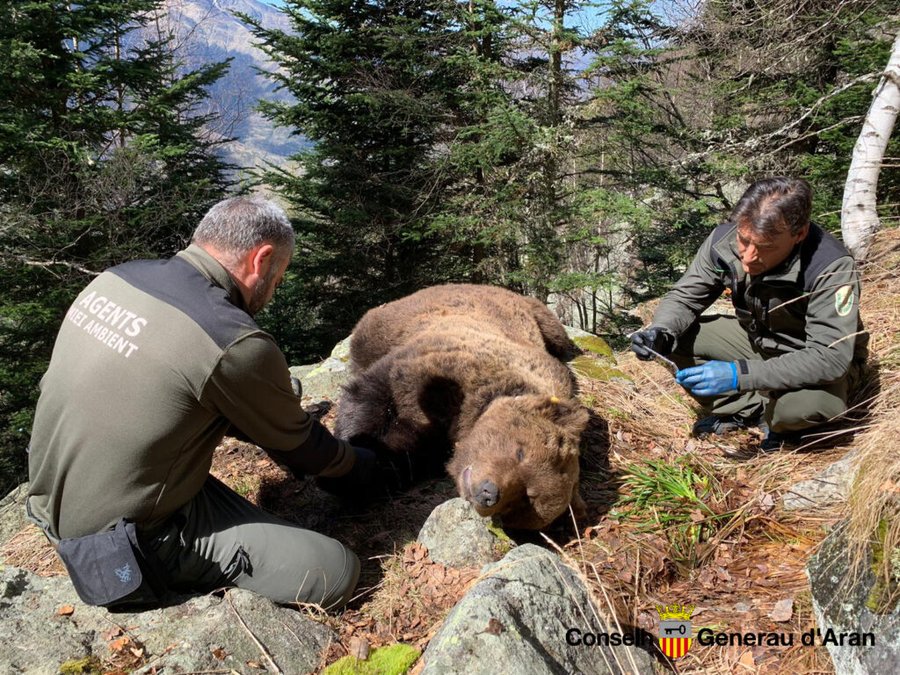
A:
x: 668, y: 363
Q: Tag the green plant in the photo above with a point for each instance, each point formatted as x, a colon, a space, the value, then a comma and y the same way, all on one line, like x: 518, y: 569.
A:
x: 681, y: 499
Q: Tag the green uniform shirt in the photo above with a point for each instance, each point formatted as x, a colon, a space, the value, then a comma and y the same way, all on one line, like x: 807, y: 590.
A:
x: 802, y: 316
x: 154, y: 362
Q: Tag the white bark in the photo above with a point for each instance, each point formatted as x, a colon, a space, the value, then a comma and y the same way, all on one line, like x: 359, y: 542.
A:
x: 859, y: 217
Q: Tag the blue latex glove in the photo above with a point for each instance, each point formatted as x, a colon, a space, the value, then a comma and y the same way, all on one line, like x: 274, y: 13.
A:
x: 713, y: 378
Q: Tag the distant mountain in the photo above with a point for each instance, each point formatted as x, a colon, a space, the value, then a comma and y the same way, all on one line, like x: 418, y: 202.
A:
x: 207, y: 31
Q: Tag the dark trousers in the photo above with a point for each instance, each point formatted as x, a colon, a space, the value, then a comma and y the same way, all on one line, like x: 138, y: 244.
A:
x: 219, y: 539
x: 721, y: 338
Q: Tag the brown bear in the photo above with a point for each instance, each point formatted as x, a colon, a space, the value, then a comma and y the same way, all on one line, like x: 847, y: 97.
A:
x: 474, y: 373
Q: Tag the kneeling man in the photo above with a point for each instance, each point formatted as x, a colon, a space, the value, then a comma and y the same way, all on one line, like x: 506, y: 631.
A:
x: 155, y: 361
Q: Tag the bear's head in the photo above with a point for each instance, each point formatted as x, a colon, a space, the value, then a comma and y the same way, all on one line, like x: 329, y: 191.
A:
x: 520, y: 459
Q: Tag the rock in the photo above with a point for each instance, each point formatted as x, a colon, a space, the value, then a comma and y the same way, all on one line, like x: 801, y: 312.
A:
x: 302, y: 371
x: 204, y: 633
x: 596, y: 346
x: 597, y: 369
x: 842, y: 608
x: 574, y: 332
x: 455, y: 535
x: 322, y: 381
x: 829, y: 487
x: 515, y: 620
x: 12, y: 512
x: 598, y: 361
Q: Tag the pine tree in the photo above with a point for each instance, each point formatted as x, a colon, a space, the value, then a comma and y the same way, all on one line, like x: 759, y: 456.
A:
x: 375, y: 86
x: 790, y: 95
x: 100, y: 162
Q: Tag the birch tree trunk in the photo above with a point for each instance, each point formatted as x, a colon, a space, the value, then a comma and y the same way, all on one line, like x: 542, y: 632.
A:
x: 859, y: 217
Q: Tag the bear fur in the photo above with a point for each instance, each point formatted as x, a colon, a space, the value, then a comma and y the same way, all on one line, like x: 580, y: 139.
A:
x: 472, y: 373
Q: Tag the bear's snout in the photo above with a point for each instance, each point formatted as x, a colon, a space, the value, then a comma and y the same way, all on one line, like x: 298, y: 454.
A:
x: 486, y: 494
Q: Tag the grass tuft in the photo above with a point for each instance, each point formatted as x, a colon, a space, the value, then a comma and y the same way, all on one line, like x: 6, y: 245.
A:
x: 682, y: 500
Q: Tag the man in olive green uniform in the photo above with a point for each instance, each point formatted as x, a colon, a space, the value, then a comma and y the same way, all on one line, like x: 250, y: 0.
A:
x: 155, y: 361
x: 788, y: 358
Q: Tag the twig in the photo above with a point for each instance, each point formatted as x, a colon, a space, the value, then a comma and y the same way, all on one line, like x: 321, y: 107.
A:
x: 59, y: 263
x: 259, y: 645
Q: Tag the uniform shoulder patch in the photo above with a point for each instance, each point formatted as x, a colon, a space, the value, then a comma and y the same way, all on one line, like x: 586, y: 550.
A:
x: 843, y: 300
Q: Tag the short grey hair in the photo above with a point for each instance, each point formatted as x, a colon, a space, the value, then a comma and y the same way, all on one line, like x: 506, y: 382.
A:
x: 239, y: 224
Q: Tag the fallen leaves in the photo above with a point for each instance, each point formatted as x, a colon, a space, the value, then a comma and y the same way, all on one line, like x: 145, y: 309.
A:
x: 494, y: 627
x: 415, y: 594
x: 126, y: 653
x: 783, y: 610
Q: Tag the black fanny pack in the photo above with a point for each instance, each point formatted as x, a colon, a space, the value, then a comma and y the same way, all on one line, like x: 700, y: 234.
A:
x: 109, y: 569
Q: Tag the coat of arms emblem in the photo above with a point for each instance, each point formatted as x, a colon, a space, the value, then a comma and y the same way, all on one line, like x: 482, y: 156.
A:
x: 675, y: 634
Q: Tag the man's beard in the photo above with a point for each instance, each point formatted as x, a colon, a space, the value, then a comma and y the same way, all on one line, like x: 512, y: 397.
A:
x: 262, y: 292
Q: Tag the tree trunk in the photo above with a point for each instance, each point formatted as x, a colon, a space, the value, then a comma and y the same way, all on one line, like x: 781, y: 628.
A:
x: 859, y: 216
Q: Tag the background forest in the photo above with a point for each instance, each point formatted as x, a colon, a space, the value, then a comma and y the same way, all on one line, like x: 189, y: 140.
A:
x: 577, y: 152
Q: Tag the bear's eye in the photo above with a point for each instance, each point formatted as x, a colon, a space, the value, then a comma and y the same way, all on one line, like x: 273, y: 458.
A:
x: 520, y: 454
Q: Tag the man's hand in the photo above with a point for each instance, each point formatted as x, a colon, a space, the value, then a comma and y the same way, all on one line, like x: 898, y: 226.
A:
x: 713, y: 378
x: 658, y: 339
x: 358, y: 483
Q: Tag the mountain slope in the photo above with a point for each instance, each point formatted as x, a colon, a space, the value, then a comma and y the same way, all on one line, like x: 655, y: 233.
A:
x: 208, y: 31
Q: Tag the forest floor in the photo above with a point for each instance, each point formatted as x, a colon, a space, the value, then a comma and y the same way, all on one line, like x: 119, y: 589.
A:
x: 671, y: 519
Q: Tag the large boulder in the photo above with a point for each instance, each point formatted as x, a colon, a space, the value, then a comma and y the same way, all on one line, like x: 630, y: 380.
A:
x: 12, y: 512
x: 516, y: 619
x: 322, y: 381
x: 845, y: 615
x: 827, y: 488
x: 43, y: 625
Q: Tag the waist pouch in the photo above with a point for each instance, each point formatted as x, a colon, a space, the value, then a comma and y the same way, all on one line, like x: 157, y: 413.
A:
x: 108, y: 569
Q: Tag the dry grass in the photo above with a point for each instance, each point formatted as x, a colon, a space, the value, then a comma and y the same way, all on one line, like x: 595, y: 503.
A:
x: 745, y: 564
x: 874, y: 505
x: 30, y: 549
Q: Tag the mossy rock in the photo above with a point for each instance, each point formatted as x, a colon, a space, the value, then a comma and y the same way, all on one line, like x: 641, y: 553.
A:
x: 597, y: 370
x: 595, y: 345
x: 390, y: 660
x: 502, y: 542
x: 883, y: 596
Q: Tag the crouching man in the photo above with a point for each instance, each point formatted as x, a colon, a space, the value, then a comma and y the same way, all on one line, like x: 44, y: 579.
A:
x: 155, y: 361
x: 790, y: 356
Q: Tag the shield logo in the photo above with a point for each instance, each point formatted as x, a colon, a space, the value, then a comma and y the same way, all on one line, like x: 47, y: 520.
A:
x: 675, y: 635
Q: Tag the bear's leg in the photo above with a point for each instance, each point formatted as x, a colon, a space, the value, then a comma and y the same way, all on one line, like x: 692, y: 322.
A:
x: 366, y: 408
x: 556, y: 340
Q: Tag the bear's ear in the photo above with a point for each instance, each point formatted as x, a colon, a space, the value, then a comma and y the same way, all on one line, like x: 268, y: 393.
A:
x: 566, y: 413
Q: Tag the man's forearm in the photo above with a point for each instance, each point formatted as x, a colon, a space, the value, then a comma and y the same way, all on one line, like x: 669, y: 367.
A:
x: 320, y: 454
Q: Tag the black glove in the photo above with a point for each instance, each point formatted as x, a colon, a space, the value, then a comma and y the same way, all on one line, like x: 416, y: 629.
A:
x: 360, y: 483
x: 658, y: 339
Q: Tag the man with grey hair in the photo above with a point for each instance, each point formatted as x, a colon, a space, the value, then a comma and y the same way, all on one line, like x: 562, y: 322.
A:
x: 155, y: 362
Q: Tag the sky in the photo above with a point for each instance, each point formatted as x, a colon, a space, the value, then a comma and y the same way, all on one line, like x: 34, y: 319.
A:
x: 586, y: 19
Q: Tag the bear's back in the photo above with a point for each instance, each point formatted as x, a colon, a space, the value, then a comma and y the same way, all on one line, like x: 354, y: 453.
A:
x: 492, y: 309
